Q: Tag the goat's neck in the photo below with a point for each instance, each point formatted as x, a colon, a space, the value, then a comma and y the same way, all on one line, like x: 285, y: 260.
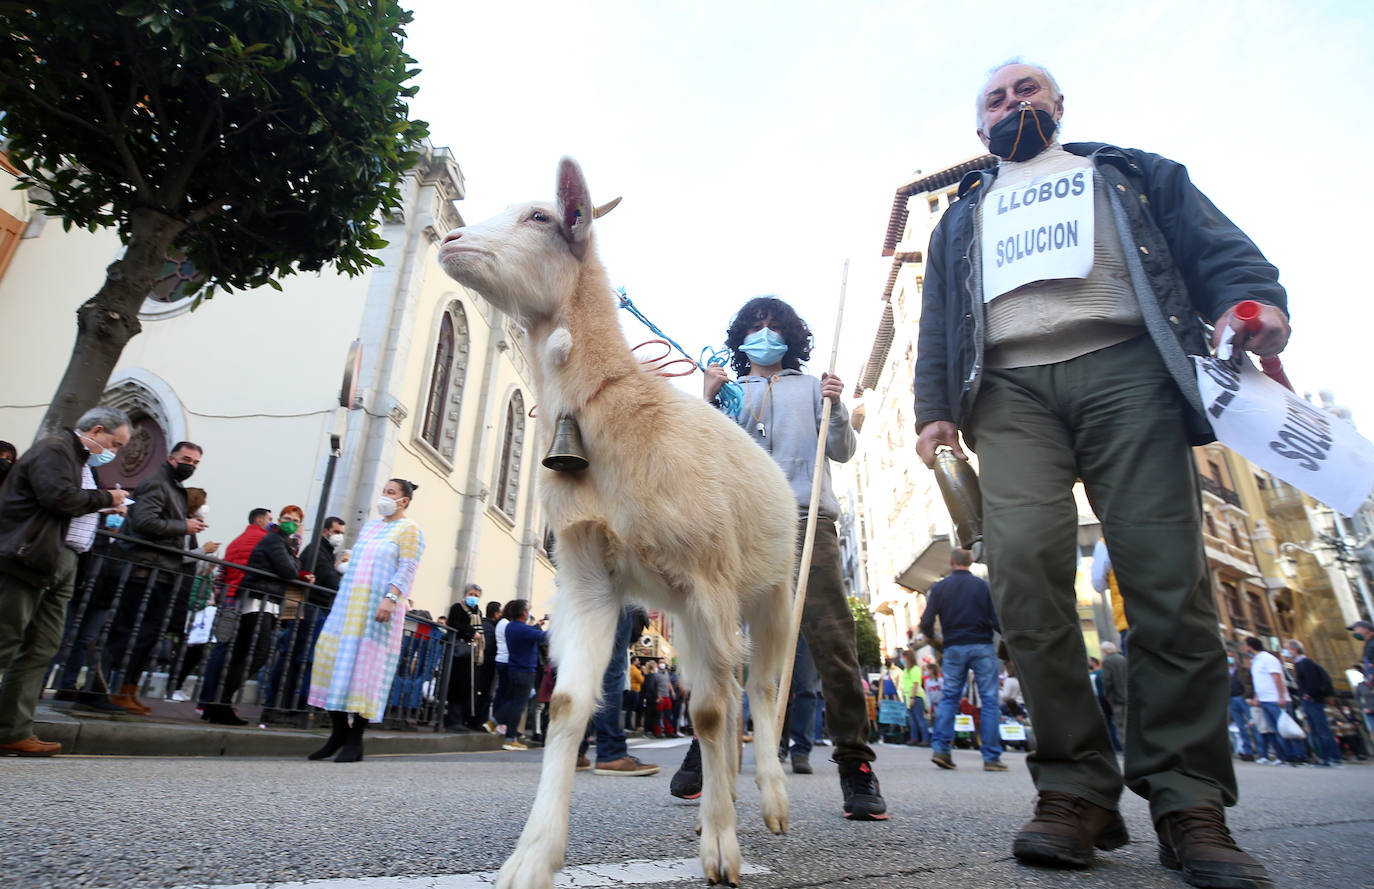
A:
x: 599, y: 354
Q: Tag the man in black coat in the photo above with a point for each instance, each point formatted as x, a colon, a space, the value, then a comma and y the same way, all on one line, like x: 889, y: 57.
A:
x: 48, y: 513
x: 159, y: 515
x: 465, y: 620
x: 1314, y: 687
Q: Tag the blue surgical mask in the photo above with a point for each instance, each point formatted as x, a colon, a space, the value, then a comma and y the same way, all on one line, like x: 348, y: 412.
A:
x: 114, y: 521
x: 1231, y: 661
x: 100, y: 459
x: 764, y: 346
x: 472, y: 601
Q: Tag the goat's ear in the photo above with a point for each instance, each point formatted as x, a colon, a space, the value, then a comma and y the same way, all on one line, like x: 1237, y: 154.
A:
x: 574, y: 206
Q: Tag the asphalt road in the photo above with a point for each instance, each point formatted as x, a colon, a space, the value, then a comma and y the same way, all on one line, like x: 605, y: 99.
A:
x: 162, y: 823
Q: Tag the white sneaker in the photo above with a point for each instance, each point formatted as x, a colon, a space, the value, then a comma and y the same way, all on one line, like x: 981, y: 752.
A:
x: 180, y: 695
x: 1262, y: 761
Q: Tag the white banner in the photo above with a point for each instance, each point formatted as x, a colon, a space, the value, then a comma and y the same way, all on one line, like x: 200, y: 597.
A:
x: 1281, y: 433
x: 1012, y: 731
x: 963, y: 722
x: 1040, y: 231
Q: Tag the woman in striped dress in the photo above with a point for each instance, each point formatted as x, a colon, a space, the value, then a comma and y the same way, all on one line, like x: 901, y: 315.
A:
x: 360, y: 643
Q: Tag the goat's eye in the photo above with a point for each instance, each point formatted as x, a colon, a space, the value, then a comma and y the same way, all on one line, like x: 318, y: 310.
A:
x: 539, y: 216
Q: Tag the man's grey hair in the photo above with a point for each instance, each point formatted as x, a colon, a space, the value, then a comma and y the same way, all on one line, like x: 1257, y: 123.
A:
x: 107, y: 418
x: 1296, y: 646
x: 1014, y: 60
x: 1108, y: 647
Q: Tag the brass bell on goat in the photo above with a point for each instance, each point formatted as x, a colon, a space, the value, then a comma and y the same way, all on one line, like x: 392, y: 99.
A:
x: 963, y: 498
x: 566, y: 453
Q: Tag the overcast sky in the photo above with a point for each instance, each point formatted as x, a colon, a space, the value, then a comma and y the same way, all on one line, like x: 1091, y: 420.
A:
x: 757, y: 145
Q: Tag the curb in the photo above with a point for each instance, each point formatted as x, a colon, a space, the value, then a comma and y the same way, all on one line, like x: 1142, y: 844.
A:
x: 106, y: 736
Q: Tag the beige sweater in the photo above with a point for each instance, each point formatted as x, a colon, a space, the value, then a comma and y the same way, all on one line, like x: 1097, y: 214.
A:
x: 1045, y: 322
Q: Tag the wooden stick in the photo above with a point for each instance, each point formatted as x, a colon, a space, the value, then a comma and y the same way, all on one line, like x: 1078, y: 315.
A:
x: 804, y: 570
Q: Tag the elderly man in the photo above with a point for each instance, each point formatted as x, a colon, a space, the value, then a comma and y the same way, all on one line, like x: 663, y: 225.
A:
x: 1064, y: 293
x: 48, y: 514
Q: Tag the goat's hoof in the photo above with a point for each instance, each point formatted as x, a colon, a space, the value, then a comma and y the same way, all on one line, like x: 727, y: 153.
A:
x: 720, y: 857
x: 524, y: 871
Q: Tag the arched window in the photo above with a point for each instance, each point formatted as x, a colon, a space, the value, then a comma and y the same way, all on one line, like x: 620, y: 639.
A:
x: 512, y: 451
x: 444, y: 395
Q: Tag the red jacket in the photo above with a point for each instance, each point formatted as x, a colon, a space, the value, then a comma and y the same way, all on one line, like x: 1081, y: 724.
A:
x: 238, y: 551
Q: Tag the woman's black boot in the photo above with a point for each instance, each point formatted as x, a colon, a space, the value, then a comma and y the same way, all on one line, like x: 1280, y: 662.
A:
x: 338, y: 735
x: 353, y: 748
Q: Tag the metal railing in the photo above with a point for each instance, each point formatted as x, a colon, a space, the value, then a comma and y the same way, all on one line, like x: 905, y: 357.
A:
x: 132, y: 620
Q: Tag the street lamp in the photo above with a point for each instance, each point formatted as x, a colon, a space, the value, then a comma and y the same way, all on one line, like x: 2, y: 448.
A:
x: 1343, y: 548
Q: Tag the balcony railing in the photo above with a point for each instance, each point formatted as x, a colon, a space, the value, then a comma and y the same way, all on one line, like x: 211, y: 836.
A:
x: 1211, y: 486
x: 1280, y: 498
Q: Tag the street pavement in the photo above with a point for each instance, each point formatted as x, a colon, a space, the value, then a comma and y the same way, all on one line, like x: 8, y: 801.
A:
x: 447, y: 821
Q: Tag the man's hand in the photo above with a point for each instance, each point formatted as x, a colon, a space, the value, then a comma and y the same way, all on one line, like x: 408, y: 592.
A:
x: 210, y: 548
x: 941, y: 432
x: 831, y: 387
x: 1268, y: 340
x: 117, y: 496
x: 715, y: 380
x: 308, y: 577
x: 195, y: 526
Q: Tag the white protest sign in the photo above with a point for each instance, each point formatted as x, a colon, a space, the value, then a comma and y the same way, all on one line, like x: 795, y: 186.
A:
x: 1012, y: 731
x: 1281, y: 433
x: 963, y: 723
x: 1040, y: 231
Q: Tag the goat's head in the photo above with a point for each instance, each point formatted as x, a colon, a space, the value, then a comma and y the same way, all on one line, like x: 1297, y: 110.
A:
x: 526, y: 259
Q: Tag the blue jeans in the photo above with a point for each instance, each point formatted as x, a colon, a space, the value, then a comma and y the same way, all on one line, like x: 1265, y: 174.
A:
x: 1291, y: 751
x: 610, y: 733
x: 1240, y: 717
x: 981, y: 658
x: 806, y: 686
x: 291, y: 659
x: 1319, y: 732
x: 916, y: 721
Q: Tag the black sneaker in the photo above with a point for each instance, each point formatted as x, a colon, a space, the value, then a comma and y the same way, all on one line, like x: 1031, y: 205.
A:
x: 686, y: 784
x: 863, y: 801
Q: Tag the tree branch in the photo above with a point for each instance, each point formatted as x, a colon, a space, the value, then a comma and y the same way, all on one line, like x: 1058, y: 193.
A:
x: 53, y: 109
x: 121, y: 146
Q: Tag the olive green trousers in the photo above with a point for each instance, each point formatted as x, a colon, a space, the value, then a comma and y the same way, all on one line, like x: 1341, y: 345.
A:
x: 1113, y: 418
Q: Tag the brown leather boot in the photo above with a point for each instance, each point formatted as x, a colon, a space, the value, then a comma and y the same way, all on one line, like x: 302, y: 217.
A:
x: 128, y: 699
x: 1197, y: 842
x: 1065, y: 830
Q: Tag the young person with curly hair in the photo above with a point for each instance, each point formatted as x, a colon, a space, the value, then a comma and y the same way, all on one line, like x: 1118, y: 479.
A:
x: 781, y: 409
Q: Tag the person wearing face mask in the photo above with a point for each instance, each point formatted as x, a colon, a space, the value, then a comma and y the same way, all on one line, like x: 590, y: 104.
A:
x: 360, y: 644
x: 8, y: 455
x: 49, y: 512
x: 781, y: 410
x: 465, y: 618
x: 1363, y: 630
x: 159, y: 515
x: 302, y: 618
x: 1063, y: 293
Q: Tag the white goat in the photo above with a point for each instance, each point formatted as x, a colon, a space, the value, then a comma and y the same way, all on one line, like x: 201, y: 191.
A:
x: 678, y: 509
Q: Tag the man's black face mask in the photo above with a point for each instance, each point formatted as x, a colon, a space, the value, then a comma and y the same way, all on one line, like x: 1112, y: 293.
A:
x: 1021, y: 136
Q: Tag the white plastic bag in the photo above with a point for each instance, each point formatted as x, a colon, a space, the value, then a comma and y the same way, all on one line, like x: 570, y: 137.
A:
x: 201, y: 625
x: 1289, y: 728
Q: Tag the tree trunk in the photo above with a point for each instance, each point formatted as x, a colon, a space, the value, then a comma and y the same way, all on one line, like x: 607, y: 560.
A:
x: 107, y: 321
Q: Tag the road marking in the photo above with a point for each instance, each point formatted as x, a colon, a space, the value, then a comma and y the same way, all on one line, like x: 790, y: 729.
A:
x: 585, y: 876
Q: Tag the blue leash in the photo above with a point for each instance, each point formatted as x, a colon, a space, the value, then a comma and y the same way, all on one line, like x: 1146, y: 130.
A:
x: 731, y: 396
